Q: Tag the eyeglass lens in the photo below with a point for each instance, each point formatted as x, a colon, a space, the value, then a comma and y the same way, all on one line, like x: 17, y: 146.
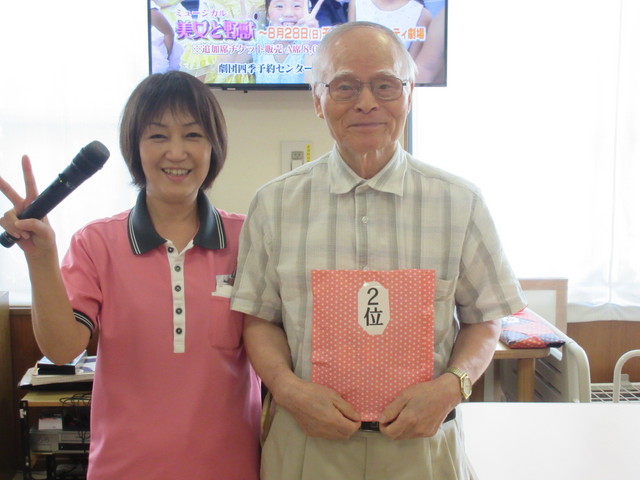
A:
x: 383, y: 88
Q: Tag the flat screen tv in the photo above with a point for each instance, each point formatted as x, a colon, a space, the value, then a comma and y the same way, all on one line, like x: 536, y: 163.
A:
x: 269, y: 44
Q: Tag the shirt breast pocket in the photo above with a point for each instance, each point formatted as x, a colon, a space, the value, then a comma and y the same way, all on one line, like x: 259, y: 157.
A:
x: 444, y: 299
x: 225, y: 325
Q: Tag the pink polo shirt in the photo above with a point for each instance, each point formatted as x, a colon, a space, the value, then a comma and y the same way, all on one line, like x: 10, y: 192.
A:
x: 174, y: 395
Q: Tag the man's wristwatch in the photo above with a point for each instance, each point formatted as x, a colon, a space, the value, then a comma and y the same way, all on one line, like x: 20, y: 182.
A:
x: 465, y: 381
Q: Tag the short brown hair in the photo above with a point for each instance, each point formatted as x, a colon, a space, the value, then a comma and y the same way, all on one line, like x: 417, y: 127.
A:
x: 179, y: 93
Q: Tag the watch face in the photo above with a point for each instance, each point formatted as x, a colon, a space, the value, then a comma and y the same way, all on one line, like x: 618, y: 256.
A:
x: 466, y: 387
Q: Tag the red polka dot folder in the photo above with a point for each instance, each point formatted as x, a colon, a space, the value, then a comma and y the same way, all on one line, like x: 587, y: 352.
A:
x: 372, y: 334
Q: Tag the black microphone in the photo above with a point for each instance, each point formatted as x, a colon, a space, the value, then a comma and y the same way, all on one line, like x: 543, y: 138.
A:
x: 88, y: 161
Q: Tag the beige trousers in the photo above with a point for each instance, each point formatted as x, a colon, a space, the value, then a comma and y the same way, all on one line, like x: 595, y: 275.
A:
x: 288, y: 454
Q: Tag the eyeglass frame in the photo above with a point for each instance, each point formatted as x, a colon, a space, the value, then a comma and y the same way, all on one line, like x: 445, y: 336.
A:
x: 358, y: 91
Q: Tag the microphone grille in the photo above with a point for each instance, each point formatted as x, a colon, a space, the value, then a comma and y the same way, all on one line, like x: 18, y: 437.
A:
x: 91, y: 157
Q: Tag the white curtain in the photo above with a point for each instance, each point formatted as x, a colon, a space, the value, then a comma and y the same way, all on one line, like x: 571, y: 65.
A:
x: 67, y: 70
x: 541, y: 111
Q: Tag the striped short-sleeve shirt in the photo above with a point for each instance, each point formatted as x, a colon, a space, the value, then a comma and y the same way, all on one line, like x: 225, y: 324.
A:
x: 410, y: 215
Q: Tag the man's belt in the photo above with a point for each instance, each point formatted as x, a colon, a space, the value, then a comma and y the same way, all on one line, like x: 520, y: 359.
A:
x: 375, y: 426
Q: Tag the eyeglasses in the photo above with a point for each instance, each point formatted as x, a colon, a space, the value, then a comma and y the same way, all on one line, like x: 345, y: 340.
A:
x: 383, y: 88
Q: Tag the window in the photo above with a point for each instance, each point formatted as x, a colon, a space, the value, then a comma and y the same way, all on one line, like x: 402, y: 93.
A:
x: 63, y: 85
x: 542, y: 112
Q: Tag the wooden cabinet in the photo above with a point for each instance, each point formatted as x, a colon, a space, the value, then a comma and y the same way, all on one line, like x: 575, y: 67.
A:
x: 8, y: 451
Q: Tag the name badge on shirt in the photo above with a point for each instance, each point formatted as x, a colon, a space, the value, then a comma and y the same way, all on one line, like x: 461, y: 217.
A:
x: 224, y: 285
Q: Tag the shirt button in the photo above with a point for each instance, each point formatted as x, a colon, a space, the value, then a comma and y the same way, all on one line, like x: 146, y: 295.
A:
x: 177, y: 288
x: 170, y: 249
x: 179, y: 311
x: 365, y: 219
x: 177, y: 268
x: 179, y: 331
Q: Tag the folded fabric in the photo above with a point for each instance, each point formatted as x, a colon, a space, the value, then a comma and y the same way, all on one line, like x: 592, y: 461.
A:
x: 527, y: 329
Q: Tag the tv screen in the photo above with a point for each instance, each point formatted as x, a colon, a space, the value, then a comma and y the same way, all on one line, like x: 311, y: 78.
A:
x: 268, y: 44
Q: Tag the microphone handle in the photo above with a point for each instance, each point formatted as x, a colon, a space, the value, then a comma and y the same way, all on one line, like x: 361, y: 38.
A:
x: 43, y: 204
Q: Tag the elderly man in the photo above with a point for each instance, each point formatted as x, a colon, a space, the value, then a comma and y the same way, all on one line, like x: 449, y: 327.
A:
x: 368, y: 205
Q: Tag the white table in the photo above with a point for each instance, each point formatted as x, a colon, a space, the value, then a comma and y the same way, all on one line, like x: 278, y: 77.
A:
x: 549, y: 441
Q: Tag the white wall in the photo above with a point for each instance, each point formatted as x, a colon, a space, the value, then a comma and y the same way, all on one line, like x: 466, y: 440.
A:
x: 257, y: 122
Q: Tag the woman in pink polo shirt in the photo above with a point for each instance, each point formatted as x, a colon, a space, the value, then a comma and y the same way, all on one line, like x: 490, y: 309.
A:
x: 174, y: 394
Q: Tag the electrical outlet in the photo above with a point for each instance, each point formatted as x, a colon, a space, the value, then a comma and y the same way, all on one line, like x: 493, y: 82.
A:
x: 294, y: 154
